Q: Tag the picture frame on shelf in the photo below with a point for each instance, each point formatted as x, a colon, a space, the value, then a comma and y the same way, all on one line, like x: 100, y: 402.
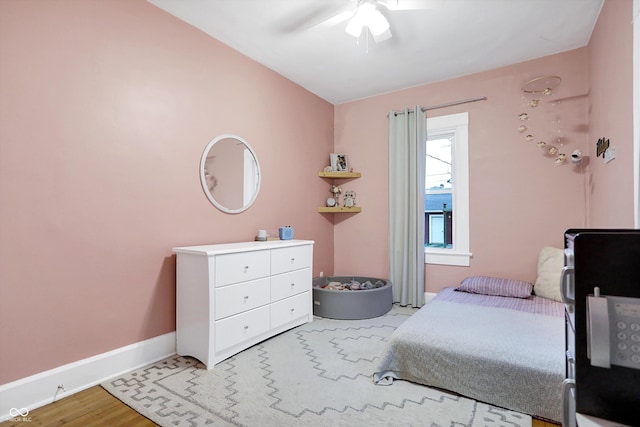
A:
x: 339, y: 162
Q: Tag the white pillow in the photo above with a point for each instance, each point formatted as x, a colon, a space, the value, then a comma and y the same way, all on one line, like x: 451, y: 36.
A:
x: 550, y: 263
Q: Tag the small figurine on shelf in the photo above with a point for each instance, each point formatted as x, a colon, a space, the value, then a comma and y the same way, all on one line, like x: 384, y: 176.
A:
x: 335, y: 190
x: 327, y: 168
x: 349, y: 199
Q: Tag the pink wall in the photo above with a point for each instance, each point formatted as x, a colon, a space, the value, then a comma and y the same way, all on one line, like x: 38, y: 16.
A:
x: 106, y: 109
x: 610, y: 185
x: 520, y: 201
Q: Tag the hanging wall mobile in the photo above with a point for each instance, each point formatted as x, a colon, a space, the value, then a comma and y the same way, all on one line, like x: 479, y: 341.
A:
x: 534, y: 91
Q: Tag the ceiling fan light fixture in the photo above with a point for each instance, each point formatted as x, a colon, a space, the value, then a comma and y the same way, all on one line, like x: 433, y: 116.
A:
x: 377, y: 23
x: 367, y: 15
x: 354, y: 26
x: 382, y: 36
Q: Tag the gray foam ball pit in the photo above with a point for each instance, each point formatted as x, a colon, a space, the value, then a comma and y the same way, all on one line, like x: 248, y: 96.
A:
x: 351, y: 305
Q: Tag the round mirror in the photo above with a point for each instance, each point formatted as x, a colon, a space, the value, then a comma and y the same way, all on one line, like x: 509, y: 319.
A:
x: 230, y: 173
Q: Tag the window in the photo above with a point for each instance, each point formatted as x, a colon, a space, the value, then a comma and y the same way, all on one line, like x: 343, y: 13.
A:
x: 446, y: 210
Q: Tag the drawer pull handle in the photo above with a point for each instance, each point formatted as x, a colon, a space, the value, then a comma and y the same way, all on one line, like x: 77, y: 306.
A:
x: 246, y: 327
x: 246, y: 268
x: 293, y: 309
x: 293, y: 285
x: 293, y: 260
x: 246, y: 297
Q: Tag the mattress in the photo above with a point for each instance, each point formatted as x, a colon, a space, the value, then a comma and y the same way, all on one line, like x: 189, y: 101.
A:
x: 492, y: 349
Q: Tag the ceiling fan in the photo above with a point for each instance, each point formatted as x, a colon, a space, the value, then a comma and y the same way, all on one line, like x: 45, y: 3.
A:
x: 366, y: 15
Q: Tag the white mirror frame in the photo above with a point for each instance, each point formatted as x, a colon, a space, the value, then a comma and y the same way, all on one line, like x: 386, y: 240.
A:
x: 203, y: 180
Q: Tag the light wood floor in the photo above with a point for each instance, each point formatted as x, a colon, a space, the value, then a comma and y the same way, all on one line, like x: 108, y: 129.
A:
x: 95, y: 407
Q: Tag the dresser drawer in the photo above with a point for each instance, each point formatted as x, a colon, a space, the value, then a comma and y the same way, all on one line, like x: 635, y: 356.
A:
x: 234, y: 299
x: 240, y: 267
x: 289, y: 284
x: 241, y: 327
x: 290, y: 309
x: 290, y: 259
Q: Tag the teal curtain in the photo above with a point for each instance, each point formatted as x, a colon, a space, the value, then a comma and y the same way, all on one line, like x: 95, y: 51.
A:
x: 407, y: 139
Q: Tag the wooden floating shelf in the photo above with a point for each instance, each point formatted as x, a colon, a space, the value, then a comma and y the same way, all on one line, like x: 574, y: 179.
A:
x: 338, y: 209
x: 340, y: 174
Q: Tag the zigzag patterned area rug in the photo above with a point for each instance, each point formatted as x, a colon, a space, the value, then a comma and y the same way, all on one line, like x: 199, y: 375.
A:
x: 318, y: 374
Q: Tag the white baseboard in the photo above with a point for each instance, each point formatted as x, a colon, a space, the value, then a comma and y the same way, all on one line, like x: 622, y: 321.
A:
x: 428, y: 296
x: 19, y: 397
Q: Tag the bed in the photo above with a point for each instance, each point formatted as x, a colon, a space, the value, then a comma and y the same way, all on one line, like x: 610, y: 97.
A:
x: 508, y: 351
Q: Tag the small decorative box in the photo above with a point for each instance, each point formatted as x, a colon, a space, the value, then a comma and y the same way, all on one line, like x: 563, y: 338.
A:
x: 285, y: 233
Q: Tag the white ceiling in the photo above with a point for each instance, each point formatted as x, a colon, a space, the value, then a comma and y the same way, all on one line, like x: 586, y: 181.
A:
x: 459, y: 38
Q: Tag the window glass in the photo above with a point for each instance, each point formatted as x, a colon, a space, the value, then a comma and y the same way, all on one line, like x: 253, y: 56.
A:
x: 438, y: 191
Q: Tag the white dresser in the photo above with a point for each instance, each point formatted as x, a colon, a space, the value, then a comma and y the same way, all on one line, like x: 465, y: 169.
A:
x: 232, y: 296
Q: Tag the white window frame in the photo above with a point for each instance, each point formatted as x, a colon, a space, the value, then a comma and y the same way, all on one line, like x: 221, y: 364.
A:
x: 460, y: 254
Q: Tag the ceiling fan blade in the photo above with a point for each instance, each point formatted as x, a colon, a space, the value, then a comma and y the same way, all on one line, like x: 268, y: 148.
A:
x: 305, y: 17
x: 333, y: 20
x: 411, y: 4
